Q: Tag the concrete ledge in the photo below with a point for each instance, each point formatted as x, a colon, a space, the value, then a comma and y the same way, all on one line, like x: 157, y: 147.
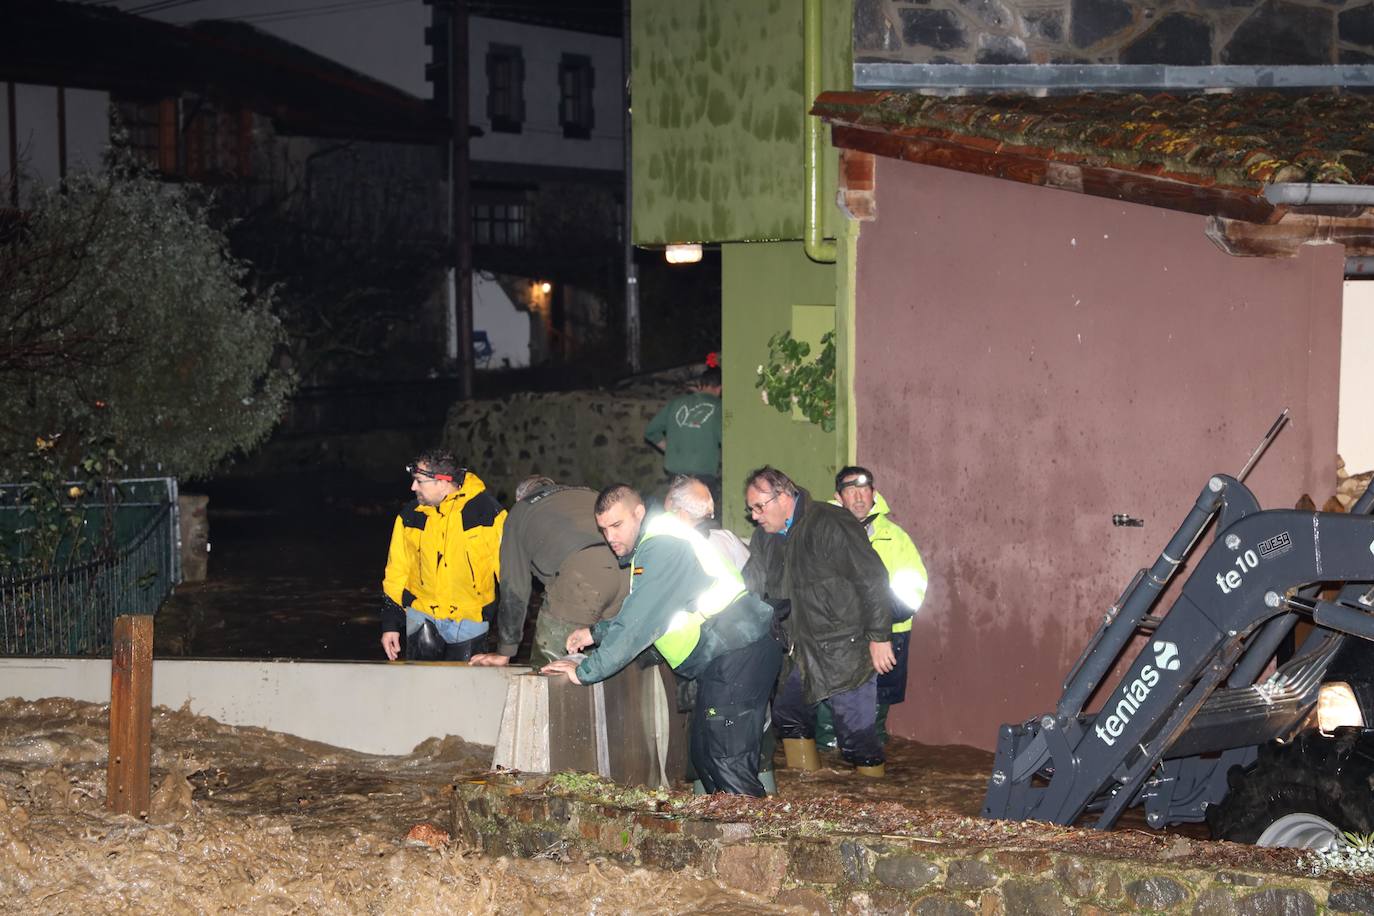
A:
x: 372, y: 707
x: 829, y: 872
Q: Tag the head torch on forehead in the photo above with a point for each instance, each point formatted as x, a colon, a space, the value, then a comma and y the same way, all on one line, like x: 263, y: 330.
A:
x: 858, y: 480
x: 416, y: 471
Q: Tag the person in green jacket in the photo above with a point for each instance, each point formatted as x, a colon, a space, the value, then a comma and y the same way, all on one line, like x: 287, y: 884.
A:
x: 688, y: 432
x: 907, y: 578
x: 689, y: 602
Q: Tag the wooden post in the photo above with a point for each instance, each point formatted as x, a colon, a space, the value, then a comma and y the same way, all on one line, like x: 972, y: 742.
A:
x: 131, y: 716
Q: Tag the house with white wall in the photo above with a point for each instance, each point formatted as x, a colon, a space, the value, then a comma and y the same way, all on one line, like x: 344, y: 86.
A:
x: 545, y: 106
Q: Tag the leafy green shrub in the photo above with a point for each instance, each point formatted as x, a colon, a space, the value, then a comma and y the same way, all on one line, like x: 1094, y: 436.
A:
x: 124, y: 317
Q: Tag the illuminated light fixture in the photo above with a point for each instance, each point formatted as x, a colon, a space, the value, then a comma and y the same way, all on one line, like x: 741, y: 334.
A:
x: 682, y: 254
x: 546, y: 287
x: 1337, y: 707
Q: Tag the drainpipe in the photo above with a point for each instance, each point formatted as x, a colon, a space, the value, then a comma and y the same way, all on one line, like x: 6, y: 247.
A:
x: 817, y: 249
x: 1302, y: 194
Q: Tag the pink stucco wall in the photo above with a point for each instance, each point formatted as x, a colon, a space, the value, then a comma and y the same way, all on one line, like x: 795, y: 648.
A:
x: 1030, y: 361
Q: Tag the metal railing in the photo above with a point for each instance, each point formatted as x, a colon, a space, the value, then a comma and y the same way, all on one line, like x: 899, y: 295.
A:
x: 71, y: 611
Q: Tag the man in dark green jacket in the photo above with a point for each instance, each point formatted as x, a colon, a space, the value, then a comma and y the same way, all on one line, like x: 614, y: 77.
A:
x: 689, y: 603
x: 815, y: 559
x: 551, y: 535
x: 688, y: 432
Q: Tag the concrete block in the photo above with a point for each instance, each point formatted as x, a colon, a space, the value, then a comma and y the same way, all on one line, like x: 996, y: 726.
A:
x: 622, y: 729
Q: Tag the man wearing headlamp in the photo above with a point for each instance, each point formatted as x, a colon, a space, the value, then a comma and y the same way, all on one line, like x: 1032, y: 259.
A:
x: 906, y: 576
x: 442, y: 565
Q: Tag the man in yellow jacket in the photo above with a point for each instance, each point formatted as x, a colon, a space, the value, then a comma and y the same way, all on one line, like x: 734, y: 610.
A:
x: 906, y: 577
x: 442, y: 566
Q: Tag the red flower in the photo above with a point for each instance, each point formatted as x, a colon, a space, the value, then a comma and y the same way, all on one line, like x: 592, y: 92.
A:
x: 713, y: 360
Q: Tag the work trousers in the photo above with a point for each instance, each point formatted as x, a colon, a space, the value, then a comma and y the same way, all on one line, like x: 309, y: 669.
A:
x: 550, y: 638
x: 730, y: 715
x: 429, y: 639
x: 892, y: 686
x: 855, y: 712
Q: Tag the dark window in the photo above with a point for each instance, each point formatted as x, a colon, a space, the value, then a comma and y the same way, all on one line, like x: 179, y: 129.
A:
x: 501, y: 222
x: 505, y: 88
x: 189, y: 137
x: 576, y: 79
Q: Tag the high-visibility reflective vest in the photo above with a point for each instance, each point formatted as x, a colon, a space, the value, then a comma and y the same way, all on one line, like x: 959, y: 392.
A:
x: 727, y: 585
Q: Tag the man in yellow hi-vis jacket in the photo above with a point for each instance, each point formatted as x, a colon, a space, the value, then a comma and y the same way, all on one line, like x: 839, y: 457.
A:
x: 443, y: 562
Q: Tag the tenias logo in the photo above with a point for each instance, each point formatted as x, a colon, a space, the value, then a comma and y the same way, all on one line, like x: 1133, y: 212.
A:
x: 1166, y: 655
x: 1112, y: 721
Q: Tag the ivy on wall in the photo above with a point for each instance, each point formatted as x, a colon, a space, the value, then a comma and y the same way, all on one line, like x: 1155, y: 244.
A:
x: 793, y: 379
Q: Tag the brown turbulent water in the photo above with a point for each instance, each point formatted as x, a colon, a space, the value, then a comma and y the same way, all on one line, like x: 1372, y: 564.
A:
x: 249, y: 820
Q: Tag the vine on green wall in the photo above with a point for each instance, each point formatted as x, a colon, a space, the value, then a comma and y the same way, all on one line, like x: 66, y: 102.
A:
x: 791, y: 378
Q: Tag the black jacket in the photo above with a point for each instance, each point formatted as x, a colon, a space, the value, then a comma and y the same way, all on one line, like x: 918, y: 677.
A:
x: 837, y: 586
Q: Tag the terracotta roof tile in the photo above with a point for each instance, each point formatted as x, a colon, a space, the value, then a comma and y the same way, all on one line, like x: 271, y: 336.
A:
x: 1240, y: 140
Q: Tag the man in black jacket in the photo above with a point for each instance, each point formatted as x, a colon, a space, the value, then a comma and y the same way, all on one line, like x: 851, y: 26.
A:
x: 816, y: 558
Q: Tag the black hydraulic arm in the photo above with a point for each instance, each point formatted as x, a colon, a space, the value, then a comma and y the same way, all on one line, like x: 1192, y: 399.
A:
x: 1058, y: 766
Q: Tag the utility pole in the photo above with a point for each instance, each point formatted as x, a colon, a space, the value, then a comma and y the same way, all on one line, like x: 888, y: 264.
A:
x: 460, y: 175
x: 447, y: 37
x: 631, y: 273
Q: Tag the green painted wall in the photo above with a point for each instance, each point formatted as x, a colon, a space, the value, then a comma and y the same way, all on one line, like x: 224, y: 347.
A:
x: 717, y: 108
x: 767, y: 288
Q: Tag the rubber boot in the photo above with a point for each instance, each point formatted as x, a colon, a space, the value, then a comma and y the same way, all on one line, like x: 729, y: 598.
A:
x: 698, y: 788
x: 425, y: 644
x: 770, y: 782
x: 876, y: 771
x: 881, y: 722
x: 801, y: 753
x: 825, y: 728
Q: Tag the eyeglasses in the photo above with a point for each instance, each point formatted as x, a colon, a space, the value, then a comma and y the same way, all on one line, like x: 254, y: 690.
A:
x: 422, y: 475
x: 756, y: 508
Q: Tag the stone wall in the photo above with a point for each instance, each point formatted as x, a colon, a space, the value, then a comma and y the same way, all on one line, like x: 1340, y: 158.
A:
x: 1174, y: 32
x: 823, y: 870
x: 588, y: 438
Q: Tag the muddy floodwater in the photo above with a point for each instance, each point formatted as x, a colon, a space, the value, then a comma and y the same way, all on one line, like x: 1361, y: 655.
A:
x: 253, y: 821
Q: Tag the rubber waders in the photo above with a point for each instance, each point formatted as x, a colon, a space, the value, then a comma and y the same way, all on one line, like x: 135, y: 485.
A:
x: 801, y: 753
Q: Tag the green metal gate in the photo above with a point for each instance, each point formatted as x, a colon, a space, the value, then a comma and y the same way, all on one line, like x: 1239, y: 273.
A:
x: 130, y: 568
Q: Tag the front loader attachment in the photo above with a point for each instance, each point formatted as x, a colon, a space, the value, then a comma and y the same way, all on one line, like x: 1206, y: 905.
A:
x: 1189, y: 706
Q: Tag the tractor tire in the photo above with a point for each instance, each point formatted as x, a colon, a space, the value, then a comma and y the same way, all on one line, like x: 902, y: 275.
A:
x: 1302, y: 794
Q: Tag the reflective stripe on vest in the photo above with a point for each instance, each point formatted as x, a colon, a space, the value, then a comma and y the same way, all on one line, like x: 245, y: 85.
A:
x: 684, y: 630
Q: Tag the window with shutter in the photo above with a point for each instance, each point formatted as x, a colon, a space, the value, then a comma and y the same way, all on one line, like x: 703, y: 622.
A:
x: 576, y: 80
x: 505, y: 88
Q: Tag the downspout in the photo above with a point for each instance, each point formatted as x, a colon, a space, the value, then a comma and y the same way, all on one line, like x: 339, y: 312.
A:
x: 817, y: 248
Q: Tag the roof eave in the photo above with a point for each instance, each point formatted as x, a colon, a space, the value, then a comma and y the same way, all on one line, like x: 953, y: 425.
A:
x: 1039, y: 167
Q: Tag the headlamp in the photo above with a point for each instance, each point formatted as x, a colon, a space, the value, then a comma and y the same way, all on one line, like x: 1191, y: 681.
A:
x: 858, y: 480
x: 415, y: 471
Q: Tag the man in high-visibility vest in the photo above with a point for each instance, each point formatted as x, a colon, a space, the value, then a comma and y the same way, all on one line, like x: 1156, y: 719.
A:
x: 689, y: 602
x: 906, y: 577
